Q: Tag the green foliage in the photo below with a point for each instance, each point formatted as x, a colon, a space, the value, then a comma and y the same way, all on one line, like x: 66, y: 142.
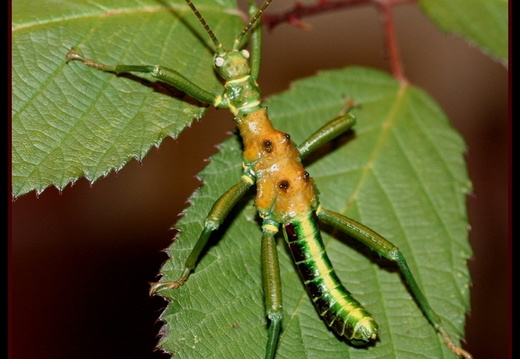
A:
x: 401, y: 173
x: 482, y: 22
x: 70, y: 122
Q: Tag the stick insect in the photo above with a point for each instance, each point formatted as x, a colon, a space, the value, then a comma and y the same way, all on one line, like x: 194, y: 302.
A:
x: 286, y: 196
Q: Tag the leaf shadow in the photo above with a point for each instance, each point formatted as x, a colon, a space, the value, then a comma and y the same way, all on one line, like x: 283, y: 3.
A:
x: 219, y: 234
x: 329, y: 147
x: 164, y: 88
x: 360, y: 247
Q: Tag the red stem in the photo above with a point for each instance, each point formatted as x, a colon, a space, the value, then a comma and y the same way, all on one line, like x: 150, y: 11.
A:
x: 299, y: 11
x: 294, y: 16
x: 394, y: 57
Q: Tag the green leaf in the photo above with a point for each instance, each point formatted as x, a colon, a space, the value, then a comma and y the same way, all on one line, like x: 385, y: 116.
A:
x: 482, y: 22
x: 71, y: 121
x: 402, y: 173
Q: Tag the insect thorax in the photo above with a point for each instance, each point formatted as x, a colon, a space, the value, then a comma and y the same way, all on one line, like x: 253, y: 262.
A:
x: 284, y: 189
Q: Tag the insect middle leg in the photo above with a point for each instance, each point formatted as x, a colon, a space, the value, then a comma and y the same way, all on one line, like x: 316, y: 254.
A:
x: 216, y: 216
x: 272, y: 288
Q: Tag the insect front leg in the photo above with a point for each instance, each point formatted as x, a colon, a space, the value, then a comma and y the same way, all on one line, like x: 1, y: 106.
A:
x: 255, y: 42
x: 272, y: 288
x: 162, y: 73
x: 216, y: 216
x: 389, y: 251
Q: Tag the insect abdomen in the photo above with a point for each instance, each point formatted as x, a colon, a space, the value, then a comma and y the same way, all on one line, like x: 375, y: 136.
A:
x: 332, y: 300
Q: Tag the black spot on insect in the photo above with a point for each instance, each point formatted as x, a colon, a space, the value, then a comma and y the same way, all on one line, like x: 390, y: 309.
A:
x: 287, y: 136
x: 283, y: 185
x: 268, y: 146
x: 306, y: 176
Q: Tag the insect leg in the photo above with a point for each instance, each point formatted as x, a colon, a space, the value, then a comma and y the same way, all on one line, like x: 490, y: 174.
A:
x: 162, y: 73
x: 272, y: 289
x: 329, y: 131
x: 386, y: 249
x: 216, y: 216
x: 255, y: 44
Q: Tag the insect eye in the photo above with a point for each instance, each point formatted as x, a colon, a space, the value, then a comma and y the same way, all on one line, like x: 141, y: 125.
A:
x: 219, y: 61
x: 245, y: 53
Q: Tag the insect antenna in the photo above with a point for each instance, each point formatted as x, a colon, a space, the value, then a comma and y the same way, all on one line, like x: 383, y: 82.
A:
x: 205, y: 25
x: 251, y: 23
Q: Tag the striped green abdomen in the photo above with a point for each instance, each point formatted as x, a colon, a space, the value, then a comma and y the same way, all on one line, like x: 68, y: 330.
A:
x: 332, y: 300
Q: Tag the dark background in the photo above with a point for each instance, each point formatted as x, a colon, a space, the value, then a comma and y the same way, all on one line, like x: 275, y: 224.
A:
x: 81, y: 259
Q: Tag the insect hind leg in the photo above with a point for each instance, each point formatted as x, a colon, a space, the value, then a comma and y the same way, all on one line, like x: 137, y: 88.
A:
x: 389, y: 251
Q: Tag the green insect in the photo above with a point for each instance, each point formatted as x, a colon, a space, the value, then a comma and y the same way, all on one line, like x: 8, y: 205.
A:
x: 286, y: 196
